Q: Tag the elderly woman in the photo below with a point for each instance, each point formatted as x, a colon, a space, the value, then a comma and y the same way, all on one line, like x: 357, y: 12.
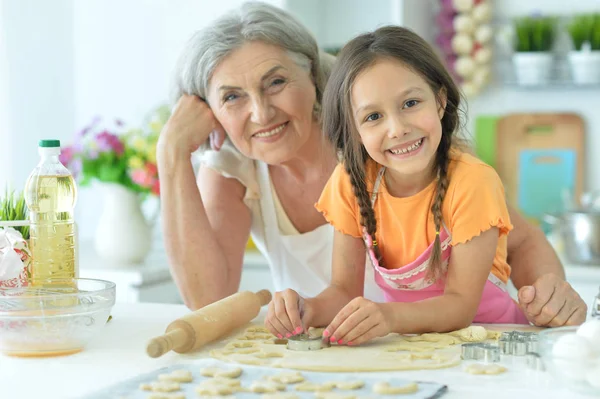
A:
x: 257, y: 74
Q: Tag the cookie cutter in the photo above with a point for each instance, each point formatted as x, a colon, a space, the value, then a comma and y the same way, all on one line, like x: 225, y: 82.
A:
x: 518, y: 343
x: 480, y: 351
x: 534, y: 361
x: 305, y: 342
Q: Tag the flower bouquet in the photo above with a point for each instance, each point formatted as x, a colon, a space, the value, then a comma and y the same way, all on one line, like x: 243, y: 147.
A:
x: 15, y: 257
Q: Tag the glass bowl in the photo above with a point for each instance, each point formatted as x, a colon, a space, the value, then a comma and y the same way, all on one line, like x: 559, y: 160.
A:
x: 578, y: 372
x: 53, y: 317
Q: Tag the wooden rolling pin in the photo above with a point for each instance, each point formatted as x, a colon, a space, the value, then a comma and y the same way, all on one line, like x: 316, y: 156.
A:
x: 209, y: 323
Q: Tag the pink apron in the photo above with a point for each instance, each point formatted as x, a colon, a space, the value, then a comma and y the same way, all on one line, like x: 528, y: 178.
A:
x: 409, y: 283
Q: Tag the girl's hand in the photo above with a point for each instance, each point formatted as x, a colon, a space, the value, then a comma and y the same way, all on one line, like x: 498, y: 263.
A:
x: 288, y: 314
x: 192, y: 122
x: 359, y: 321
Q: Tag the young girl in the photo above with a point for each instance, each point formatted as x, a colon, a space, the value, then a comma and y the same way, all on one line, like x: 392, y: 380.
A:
x: 431, y: 218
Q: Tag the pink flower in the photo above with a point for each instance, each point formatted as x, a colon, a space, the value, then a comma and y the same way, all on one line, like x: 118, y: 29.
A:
x: 66, y: 155
x: 107, y: 141
x: 142, y: 178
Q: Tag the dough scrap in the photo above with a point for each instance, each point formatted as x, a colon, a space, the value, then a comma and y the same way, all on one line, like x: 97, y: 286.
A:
x: 266, y: 387
x: 268, y: 355
x: 239, y: 345
x: 384, y: 388
x: 257, y: 329
x: 257, y: 336
x: 246, y: 351
x: 471, y: 334
x: 218, y: 372
x: 488, y: 369
x: 312, y: 387
x: 349, y: 385
x: 291, y: 377
x: 161, y: 386
x: 177, y: 376
x: 159, y: 395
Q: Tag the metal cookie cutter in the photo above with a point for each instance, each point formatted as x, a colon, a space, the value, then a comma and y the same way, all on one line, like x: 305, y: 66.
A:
x: 480, y: 351
x: 534, y: 361
x: 305, y: 342
x: 518, y: 343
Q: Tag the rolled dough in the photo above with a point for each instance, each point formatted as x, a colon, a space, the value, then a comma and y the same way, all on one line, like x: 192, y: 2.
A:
x: 391, y: 353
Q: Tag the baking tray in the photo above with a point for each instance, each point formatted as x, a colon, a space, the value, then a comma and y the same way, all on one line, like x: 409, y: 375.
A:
x: 129, y: 389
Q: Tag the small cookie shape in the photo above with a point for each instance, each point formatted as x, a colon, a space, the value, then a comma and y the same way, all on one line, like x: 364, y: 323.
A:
x: 266, y: 387
x: 218, y: 372
x: 161, y: 386
x: 292, y: 377
x: 215, y: 389
x: 348, y: 385
x: 488, y: 369
x: 384, y: 388
x: 177, y: 376
x: 312, y: 387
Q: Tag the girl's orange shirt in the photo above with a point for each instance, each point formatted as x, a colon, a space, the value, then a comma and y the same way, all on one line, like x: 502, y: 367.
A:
x: 474, y: 202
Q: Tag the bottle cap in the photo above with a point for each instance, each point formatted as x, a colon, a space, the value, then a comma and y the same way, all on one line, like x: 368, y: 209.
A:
x: 49, y: 143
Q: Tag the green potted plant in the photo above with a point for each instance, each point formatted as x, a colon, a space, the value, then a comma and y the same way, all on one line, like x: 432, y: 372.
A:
x: 14, y: 215
x: 533, y: 49
x: 584, y: 59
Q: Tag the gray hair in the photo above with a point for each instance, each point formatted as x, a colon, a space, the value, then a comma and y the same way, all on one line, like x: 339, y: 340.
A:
x: 252, y: 21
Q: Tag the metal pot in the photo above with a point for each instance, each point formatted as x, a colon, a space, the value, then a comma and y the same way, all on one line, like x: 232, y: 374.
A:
x: 580, y: 233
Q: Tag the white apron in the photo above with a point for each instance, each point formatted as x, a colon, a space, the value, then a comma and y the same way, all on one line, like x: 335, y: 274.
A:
x: 301, y: 262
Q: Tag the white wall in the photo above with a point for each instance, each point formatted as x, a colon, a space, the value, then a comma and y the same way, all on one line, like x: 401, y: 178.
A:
x: 501, y: 99
x: 70, y: 60
x: 6, y: 162
x: 39, y: 70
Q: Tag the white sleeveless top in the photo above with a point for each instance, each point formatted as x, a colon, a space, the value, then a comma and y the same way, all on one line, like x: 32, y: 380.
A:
x: 298, y: 261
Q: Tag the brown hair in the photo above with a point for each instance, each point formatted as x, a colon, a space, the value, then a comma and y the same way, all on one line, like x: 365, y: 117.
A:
x: 401, y: 44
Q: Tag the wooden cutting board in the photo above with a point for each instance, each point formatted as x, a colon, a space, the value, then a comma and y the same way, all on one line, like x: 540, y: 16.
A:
x: 539, y: 157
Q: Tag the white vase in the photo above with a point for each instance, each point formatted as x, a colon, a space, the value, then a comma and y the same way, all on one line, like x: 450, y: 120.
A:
x: 533, y: 68
x: 123, y: 235
x: 585, y: 67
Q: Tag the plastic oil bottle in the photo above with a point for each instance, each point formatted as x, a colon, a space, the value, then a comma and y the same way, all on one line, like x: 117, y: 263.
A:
x: 51, y: 195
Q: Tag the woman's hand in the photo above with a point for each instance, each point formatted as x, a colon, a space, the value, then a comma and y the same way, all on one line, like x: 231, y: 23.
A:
x: 552, y: 302
x: 288, y: 314
x: 360, y: 321
x: 192, y: 122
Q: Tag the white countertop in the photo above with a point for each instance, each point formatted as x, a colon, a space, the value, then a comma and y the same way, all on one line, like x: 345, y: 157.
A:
x: 118, y: 353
